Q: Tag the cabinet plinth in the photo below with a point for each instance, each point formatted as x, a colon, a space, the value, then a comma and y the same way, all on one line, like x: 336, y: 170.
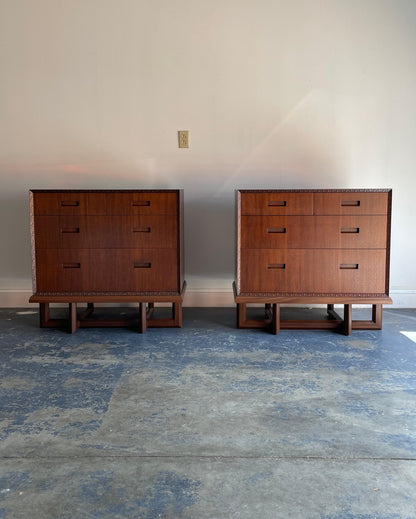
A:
x: 311, y: 247
x: 107, y: 246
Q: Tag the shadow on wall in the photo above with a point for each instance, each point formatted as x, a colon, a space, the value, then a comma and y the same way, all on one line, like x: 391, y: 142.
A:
x: 15, y: 257
x: 209, y: 238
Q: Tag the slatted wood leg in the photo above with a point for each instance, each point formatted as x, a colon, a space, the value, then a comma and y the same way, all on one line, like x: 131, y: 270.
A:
x: 377, y: 316
x: 276, y: 319
x: 142, y: 317
x: 241, y: 314
x: 267, y: 310
x: 73, y: 322
x: 44, y: 314
x: 347, y: 319
x: 177, y: 313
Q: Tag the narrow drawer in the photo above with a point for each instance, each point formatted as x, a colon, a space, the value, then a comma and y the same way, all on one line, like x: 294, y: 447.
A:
x: 352, y: 203
x: 276, y: 203
x: 97, y: 270
x: 321, y: 232
x: 106, y: 232
x: 142, y: 203
x: 313, y: 272
x: 69, y: 203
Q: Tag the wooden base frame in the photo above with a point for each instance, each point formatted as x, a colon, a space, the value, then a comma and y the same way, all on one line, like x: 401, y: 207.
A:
x: 143, y: 319
x: 334, y: 321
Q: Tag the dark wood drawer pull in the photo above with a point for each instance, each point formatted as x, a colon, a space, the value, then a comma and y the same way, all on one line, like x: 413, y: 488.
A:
x: 70, y: 230
x: 140, y: 203
x: 142, y: 265
x: 349, y: 266
x: 69, y: 203
x: 142, y: 229
x: 277, y: 203
x: 276, y: 230
x: 71, y: 265
x: 276, y: 266
x: 350, y: 230
x: 350, y: 203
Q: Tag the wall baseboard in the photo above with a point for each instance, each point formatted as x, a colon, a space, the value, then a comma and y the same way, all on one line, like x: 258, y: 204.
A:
x: 196, y: 298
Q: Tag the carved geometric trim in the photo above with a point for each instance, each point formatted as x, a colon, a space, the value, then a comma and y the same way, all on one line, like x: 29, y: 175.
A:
x: 104, y: 190
x: 309, y: 294
x: 101, y: 294
x: 313, y: 190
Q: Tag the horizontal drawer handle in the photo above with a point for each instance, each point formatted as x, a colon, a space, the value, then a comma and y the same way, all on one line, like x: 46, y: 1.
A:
x: 276, y: 266
x: 141, y: 203
x: 70, y: 230
x: 276, y: 230
x: 349, y: 266
x: 350, y: 230
x: 277, y: 203
x: 69, y: 203
x: 142, y: 229
x: 74, y: 265
x: 350, y: 203
x: 142, y: 265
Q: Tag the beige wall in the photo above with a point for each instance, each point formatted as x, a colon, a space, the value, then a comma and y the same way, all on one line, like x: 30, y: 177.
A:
x: 275, y: 93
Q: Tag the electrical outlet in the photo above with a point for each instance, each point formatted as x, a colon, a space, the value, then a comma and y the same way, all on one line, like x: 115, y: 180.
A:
x: 183, y: 138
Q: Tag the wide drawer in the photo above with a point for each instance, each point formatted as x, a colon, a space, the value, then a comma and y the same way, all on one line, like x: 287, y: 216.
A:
x: 276, y: 203
x: 321, y: 232
x: 142, y: 203
x: 306, y: 271
x: 109, y: 232
x: 98, y: 270
x: 351, y: 202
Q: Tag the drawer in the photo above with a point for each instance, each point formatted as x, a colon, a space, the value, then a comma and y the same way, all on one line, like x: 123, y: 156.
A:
x: 97, y: 270
x: 110, y: 232
x: 351, y: 202
x: 313, y: 272
x: 321, y: 232
x: 142, y: 203
x: 68, y: 203
x: 276, y: 203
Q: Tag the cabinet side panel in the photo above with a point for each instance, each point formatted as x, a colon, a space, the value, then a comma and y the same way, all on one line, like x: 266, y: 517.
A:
x: 32, y: 239
x: 180, y: 238
x: 237, y: 241
x: 388, y: 240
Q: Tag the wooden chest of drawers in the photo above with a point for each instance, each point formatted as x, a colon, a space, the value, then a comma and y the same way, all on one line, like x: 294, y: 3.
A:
x: 312, y: 246
x: 115, y: 246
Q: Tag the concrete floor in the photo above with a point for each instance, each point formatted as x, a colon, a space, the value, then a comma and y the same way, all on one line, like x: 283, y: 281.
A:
x: 207, y: 421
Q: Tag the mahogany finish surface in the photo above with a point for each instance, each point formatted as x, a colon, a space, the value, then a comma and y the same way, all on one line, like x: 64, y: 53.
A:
x: 312, y: 246
x: 107, y: 246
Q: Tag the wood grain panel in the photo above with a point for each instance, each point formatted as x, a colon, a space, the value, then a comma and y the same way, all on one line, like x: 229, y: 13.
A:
x: 69, y: 203
x: 308, y: 271
x: 71, y: 232
x: 99, y: 270
x: 353, y: 203
x: 276, y: 203
x: 143, y: 203
x: 313, y: 232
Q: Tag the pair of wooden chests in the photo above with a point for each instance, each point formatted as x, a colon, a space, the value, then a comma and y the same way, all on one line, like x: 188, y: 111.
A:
x: 292, y: 246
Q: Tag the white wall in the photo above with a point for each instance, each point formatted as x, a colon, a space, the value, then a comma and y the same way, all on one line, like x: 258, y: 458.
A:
x: 275, y: 93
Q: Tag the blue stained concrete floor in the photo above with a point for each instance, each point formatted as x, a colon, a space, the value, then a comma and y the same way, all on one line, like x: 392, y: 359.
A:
x: 207, y: 421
